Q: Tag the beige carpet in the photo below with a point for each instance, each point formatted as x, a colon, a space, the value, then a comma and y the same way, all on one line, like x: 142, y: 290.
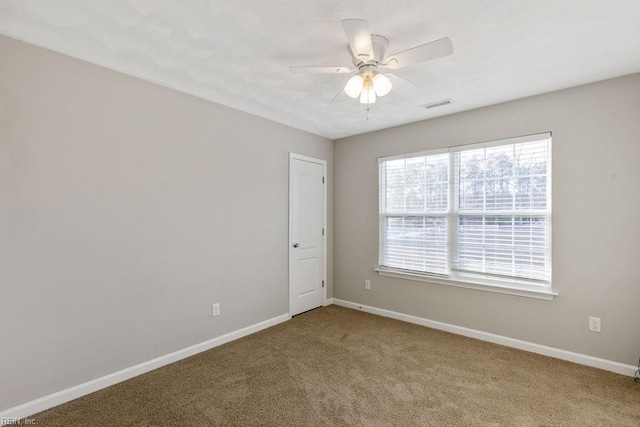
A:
x: 336, y: 366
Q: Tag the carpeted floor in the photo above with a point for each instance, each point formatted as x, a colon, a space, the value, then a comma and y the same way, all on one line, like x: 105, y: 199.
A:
x: 336, y: 366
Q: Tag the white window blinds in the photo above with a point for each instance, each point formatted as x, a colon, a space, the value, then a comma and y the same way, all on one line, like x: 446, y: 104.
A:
x: 482, y: 211
x: 502, y: 210
x: 414, y: 200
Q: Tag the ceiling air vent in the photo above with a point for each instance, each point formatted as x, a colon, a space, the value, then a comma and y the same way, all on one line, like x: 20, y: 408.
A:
x: 437, y: 104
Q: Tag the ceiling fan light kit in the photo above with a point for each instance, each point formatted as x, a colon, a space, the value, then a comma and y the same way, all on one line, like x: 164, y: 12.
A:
x: 367, y: 85
x: 367, y: 53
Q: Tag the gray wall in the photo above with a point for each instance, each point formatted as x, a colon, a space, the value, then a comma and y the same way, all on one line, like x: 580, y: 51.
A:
x: 596, y: 220
x: 126, y: 210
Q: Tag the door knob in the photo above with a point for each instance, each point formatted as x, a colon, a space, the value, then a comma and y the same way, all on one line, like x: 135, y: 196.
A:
x: 296, y: 245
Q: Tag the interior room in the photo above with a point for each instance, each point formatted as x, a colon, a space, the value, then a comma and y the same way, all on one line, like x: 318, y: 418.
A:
x: 319, y: 213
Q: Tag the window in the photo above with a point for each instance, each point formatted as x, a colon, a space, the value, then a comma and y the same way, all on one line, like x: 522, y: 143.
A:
x: 476, y: 214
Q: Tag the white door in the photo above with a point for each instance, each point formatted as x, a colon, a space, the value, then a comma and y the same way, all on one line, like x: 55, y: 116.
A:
x: 306, y: 233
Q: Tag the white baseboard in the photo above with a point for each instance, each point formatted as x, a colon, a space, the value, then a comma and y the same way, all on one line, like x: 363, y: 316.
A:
x: 327, y: 302
x: 582, y: 359
x: 21, y: 411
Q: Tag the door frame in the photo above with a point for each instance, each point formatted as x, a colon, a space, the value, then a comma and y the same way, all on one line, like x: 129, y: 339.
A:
x: 323, y: 163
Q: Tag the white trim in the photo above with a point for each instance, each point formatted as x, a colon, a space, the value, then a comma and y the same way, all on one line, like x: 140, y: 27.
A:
x: 306, y: 158
x: 292, y: 157
x: 511, y: 287
x: 505, y: 141
x: 582, y: 359
x: 329, y: 301
x: 549, y: 219
x: 493, y: 143
x: 63, y: 396
x: 411, y: 155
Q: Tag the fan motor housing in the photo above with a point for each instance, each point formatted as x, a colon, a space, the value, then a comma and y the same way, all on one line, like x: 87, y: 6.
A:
x: 380, y: 44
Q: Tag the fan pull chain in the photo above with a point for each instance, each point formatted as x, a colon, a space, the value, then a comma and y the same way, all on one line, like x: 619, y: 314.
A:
x: 367, y: 111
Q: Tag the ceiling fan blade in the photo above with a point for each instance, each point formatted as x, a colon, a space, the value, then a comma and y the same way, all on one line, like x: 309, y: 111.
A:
x: 320, y: 70
x: 359, y: 36
x: 402, y: 86
x: 422, y: 53
x: 340, y: 96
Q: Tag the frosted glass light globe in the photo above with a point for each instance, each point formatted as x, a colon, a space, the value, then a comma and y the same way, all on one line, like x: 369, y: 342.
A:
x: 368, y: 95
x: 354, y: 86
x: 381, y: 84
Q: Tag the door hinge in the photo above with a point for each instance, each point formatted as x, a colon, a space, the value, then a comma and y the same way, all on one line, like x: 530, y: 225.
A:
x: 323, y: 283
x: 323, y: 179
x: 323, y: 231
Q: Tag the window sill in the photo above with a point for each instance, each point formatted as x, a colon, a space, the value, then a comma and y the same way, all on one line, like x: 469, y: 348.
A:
x: 509, y: 289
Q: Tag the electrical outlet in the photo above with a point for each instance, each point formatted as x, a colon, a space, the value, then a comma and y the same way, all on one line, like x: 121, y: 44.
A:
x: 367, y: 284
x: 594, y: 324
x: 215, y: 310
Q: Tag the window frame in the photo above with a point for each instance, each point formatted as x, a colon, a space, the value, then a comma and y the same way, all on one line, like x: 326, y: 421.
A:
x: 501, y: 284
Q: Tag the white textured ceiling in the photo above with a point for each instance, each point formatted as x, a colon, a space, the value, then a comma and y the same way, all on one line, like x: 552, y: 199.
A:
x: 237, y: 52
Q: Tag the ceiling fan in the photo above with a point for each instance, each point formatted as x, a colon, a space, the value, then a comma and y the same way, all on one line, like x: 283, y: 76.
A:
x: 367, y: 53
